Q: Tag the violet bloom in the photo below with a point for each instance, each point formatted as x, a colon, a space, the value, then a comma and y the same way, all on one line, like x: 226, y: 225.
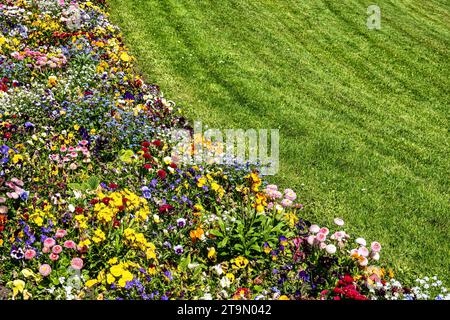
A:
x: 181, y: 222
x: 146, y: 192
x: 178, y: 249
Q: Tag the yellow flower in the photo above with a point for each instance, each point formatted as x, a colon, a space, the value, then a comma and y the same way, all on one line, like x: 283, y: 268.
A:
x: 126, y: 276
x: 109, y: 278
x: 391, y: 273
x: 27, y: 273
x: 150, y: 254
x: 18, y: 287
x: 17, y: 158
x: 112, y: 260
x: 230, y: 276
x: 116, y: 270
x: 125, y: 57
x: 99, y: 236
x: 212, y: 254
x: 152, y: 270
x: 91, y: 283
x: 201, y: 182
x: 283, y: 297
x: 52, y: 81
x: 241, y: 262
x: 1, y: 242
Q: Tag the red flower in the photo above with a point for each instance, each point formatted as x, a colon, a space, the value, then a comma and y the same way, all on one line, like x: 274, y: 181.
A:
x: 147, y: 166
x: 162, y: 174
x: 93, y: 201
x: 173, y: 165
x: 106, y: 200
x: 157, y: 143
x: 113, y: 186
x: 147, y: 156
x: 79, y: 210
x: 348, y: 279
x: 145, y: 144
x: 165, y: 208
x: 144, y: 149
x: 116, y: 223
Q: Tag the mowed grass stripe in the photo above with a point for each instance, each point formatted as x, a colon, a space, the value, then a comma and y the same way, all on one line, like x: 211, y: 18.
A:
x: 363, y: 114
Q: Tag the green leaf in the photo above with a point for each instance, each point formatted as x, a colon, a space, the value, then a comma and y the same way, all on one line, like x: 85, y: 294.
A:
x: 216, y: 233
x: 93, y: 183
x: 74, y: 186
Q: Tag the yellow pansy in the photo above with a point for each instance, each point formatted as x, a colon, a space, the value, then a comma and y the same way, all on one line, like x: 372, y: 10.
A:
x: 91, y: 283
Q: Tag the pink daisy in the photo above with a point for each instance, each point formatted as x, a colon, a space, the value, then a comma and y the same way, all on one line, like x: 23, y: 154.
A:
x: 45, y: 270
x: 57, y: 249
x: 30, y: 254
x: 76, y: 263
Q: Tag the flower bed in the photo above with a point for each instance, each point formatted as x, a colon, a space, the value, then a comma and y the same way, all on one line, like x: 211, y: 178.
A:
x: 92, y: 206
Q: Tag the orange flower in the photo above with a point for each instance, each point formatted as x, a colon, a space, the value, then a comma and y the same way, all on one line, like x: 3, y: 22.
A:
x: 197, y: 234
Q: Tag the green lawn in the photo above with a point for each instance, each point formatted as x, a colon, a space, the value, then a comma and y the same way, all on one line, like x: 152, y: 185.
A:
x: 363, y: 114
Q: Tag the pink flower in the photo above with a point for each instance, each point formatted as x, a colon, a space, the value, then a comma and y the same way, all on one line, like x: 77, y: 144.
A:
x: 84, y: 142
x: 49, y: 242
x: 54, y: 256
x: 69, y: 244
x: 273, y: 194
x: 60, y: 234
x: 57, y: 249
x: 339, y: 222
x: 363, y: 251
x: 77, y: 263
x: 286, y: 203
x: 324, y: 231
x: 322, y: 245
x: 45, y: 249
x: 321, y: 237
x: 272, y: 187
x: 63, y: 149
x: 30, y: 254
x: 376, y: 247
x: 45, y: 270
x: 270, y: 205
x: 290, y: 194
x: 314, y: 228
x: 338, y: 235
x: 311, y: 239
